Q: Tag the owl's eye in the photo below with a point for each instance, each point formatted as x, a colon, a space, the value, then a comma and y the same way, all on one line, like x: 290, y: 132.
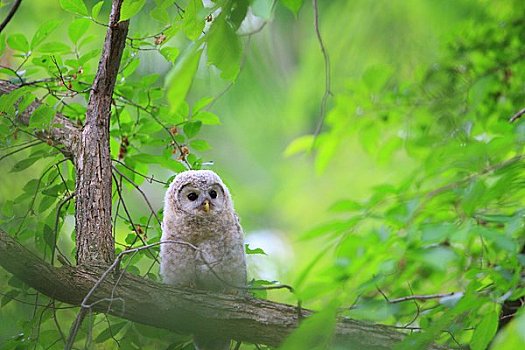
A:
x: 192, y: 196
x: 213, y: 194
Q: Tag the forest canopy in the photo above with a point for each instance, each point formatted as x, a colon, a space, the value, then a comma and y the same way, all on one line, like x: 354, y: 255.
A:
x: 374, y: 151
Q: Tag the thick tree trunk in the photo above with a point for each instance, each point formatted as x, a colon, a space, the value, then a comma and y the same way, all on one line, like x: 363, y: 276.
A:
x: 94, y: 238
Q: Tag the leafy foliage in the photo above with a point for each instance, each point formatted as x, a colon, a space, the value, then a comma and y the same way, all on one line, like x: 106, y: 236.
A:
x: 453, y: 222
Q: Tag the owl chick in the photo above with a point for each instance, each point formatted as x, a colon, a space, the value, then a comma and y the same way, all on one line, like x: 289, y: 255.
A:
x: 198, y: 210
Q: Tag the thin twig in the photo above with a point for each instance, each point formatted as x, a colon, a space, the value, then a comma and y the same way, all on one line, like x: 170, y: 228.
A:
x: 119, y: 190
x: 57, y: 324
x: 150, y: 179
x: 37, y: 142
x: 137, y: 187
x: 230, y: 85
x: 75, y: 328
x: 66, y: 85
x: 517, y: 115
x: 15, y: 73
x: 418, y: 309
x: 111, y: 332
x: 327, y: 69
x: 55, y: 232
x: 33, y: 304
x: 417, y: 297
x: 10, y: 15
x: 158, y: 121
x: 422, y: 297
x: 30, y: 210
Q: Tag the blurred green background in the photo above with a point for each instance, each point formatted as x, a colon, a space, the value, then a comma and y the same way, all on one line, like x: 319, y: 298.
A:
x: 276, y: 99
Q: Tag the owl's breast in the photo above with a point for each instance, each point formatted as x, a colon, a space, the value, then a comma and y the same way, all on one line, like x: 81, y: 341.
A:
x: 197, y: 230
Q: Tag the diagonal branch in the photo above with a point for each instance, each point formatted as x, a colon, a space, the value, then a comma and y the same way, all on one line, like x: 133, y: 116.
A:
x: 181, y: 310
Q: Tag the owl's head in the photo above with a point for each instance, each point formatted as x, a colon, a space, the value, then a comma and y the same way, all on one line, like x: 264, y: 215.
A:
x: 199, y: 193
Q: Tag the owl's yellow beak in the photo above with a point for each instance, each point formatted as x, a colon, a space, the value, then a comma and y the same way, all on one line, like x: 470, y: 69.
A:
x: 206, y: 205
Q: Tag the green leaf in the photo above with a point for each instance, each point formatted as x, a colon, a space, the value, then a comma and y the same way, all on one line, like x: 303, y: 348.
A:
x: 130, y: 8
x: 74, y: 6
x: 49, y: 236
x: 238, y: 12
x: 180, y: 78
x: 88, y: 56
x: 54, y: 47
x: 436, y: 233
x: 207, y: 118
x: 43, y: 32
x: 8, y: 102
x: 131, y: 67
x: 293, y: 5
x: 18, y: 42
x: 345, y: 206
x: 301, y: 144
x: 193, y: 24
x: 376, y: 77
x: 497, y: 237
x: 10, y: 295
x: 96, y: 9
x: 485, y: 330
x: 151, y: 159
x: 512, y: 336
x: 330, y: 227
x: 200, y: 104
x: 192, y: 128
x: 224, y: 49
x: 262, y: 8
x: 160, y: 12
x: 473, y: 195
x: 131, y: 238
x: 315, y: 332
x: 260, y: 293
x: 46, y: 203
x: 199, y: 145
x: 254, y: 251
x: 78, y: 28
x: 23, y: 164
x: 480, y: 90
x: 2, y: 44
x: 41, y: 117
x: 110, y: 332
x: 170, y: 53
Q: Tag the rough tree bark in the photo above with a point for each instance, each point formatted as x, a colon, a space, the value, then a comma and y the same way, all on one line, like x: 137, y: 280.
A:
x: 125, y: 295
x: 94, y: 238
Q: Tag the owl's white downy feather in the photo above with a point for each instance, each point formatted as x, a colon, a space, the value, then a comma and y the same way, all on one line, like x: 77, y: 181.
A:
x: 198, y: 209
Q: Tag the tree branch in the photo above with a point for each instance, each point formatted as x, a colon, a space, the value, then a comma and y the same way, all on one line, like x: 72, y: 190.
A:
x: 10, y: 14
x: 63, y: 133
x: 180, y: 310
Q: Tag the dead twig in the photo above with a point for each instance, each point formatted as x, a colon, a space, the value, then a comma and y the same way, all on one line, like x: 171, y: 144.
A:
x: 327, y: 69
x: 10, y: 15
x: 416, y: 297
